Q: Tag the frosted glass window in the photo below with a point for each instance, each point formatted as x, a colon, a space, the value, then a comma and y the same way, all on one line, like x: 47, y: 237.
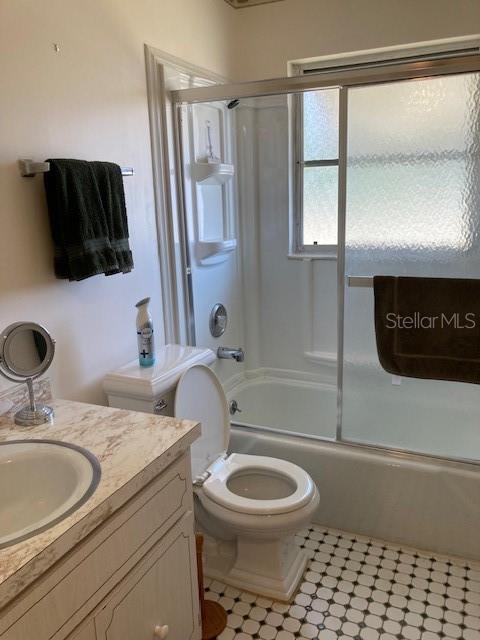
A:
x: 320, y: 125
x: 318, y: 177
x: 320, y: 205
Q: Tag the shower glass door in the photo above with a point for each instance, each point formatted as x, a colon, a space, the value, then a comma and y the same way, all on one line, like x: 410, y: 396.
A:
x: 412, y: 208
x: 408, y: 168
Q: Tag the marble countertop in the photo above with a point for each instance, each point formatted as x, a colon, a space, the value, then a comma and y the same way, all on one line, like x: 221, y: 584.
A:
x: 132, y: 449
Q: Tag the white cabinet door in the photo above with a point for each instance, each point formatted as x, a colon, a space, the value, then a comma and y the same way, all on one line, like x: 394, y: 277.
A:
x: 86, y: 632
x: 159, y: 594
x: 83, y: 578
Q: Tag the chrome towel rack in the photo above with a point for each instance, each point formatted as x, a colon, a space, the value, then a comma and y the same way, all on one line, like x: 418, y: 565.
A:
x: 30, y: 168
x: 360, y: 281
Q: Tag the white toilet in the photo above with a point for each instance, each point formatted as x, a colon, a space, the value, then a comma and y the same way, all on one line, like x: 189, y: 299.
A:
x: 248, y: 506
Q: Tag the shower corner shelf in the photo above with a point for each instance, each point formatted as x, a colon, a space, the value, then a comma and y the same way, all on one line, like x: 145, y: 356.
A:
x: 215, y: 251
x: 213, y: 172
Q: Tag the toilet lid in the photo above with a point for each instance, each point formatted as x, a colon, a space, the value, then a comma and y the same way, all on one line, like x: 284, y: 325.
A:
x: 200, y: 397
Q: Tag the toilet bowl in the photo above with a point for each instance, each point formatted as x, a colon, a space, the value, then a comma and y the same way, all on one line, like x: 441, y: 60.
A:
x: 249, y: 506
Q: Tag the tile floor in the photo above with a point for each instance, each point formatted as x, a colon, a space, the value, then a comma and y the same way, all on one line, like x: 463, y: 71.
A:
x: 362, y: 588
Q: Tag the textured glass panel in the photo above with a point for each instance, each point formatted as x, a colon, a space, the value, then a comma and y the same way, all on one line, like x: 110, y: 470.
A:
x: 320, y: 205
x: 409, y: 165
x: 320, y: 124
x: 413, y: 208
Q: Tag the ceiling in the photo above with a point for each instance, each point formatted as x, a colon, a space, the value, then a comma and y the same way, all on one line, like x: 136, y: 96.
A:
x: 241, y: 4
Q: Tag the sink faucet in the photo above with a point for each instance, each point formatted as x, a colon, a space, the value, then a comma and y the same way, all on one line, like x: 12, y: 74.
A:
x: 236, y: 353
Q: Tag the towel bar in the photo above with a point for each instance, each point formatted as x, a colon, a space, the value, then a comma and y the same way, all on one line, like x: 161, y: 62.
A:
x: 360, y: 281
x: 30, y: 168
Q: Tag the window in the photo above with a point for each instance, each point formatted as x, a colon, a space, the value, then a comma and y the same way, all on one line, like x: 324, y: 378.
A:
x: 315, y: 129
x: 317, y: 173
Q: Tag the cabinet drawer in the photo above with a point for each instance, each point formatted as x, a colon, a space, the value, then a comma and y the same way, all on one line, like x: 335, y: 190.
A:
x: 79, y: 582
x: 161, y: 590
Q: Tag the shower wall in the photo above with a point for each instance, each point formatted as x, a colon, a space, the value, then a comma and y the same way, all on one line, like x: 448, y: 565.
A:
x: 282, y: 311
x: 290, y: 304
x: 211, y: 217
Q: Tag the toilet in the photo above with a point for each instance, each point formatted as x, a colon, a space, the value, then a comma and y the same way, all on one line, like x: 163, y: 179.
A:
x: 249, y: 507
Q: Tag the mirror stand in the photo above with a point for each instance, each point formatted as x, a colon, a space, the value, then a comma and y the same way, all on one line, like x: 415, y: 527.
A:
x: 33, y: 413
x: 26, y: 352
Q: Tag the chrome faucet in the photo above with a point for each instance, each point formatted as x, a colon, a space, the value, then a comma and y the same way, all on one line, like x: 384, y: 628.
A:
x: 236, y: 353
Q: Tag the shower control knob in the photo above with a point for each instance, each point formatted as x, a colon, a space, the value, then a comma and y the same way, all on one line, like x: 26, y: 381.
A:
x: 161, y: 631
x: 218, y: 320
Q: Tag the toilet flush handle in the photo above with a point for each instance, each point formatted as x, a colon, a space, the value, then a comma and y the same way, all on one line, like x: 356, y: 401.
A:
x: 161, y: 631
x: 159, y: 406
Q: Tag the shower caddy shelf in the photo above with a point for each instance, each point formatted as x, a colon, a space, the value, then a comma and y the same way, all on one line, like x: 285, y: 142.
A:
x: 213, y: 251
x: 213, y: 172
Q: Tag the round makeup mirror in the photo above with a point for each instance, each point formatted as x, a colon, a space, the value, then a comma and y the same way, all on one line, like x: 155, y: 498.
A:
x: 26, y: 352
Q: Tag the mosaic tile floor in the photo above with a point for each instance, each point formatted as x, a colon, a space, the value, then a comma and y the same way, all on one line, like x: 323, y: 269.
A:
x: 357, y: 587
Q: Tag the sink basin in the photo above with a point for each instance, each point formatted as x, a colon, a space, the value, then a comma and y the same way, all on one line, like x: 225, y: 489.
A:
x: 42, y: 482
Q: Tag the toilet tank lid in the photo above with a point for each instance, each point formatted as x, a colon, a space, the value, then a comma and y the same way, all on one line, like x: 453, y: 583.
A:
x: 147, y: 383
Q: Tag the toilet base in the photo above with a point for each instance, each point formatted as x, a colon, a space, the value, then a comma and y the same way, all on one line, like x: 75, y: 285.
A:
x: 271, y: 568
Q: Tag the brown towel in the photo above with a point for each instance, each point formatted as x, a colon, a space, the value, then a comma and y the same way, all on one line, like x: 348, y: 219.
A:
x: 428, y: 327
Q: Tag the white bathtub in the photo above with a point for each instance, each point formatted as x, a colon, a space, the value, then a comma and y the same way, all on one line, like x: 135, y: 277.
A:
x: 291, y: 405
x: 410, y: 499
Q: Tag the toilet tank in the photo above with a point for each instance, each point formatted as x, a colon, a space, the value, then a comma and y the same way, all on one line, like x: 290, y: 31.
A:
x: 152, y: 389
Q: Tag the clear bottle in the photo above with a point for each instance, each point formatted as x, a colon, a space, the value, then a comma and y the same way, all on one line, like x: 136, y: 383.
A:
x: 146, y: 346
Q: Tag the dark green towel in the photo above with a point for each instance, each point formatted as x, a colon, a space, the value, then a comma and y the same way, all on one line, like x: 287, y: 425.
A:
x: 88, y: 218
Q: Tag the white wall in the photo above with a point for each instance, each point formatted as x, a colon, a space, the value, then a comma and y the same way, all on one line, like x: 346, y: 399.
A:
x: 87, y: 101
x: 269, y: 35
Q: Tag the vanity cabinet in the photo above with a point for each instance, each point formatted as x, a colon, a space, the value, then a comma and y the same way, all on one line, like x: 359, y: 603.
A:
x: 153, y: 602
x: 86, y: 632
x: 134, y: 577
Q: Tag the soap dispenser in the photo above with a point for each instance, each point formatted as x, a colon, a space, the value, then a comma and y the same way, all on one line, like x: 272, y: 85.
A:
x: 146, y: 347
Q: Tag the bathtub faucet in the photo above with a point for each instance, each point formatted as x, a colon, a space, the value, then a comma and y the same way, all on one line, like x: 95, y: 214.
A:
x: 236, y: 353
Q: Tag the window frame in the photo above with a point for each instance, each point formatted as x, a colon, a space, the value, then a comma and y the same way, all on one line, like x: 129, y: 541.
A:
x: 298, y: 248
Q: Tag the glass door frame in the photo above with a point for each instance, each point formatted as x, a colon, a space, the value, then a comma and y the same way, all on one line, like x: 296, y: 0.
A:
x: 356, y: 75
x: 342, y: 78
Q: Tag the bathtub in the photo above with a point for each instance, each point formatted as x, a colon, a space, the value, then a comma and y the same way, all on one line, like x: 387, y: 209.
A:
x: 409, y: 499
x: 294, y: 406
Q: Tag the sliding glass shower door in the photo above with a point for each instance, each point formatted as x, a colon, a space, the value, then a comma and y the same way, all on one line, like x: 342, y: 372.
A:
x: 408, y: 204
x: 412, y: 208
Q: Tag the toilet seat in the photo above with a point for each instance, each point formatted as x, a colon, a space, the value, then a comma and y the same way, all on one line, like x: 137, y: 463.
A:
x: 200, y: 397
x: 216, y: 485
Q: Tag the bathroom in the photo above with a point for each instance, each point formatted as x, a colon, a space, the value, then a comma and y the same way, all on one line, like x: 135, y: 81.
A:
x: 243, y: 92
